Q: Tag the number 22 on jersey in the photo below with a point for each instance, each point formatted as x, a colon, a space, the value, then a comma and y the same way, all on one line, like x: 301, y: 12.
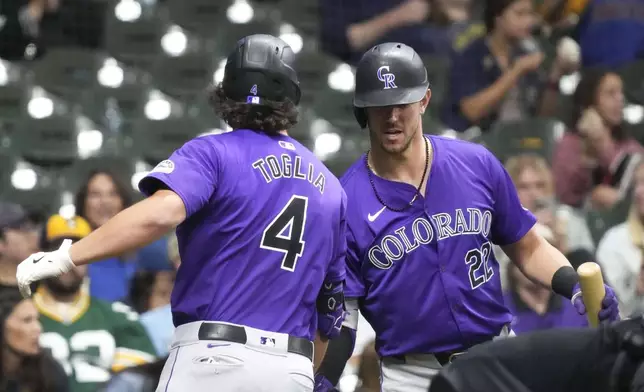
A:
x: 285, y: 233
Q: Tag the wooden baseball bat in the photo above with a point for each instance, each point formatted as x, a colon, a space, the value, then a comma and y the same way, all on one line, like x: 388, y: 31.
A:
x: 592, y: 290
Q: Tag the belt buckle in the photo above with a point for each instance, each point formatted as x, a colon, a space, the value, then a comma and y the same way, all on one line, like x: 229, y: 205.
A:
x: 453, y: 356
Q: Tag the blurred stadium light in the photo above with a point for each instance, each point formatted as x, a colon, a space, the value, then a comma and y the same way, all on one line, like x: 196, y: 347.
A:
x: 341, y: 78
x: 327, y: 144
x: 289, y: 35
x: 141, y: 169
x: 24, y: 177
x: 40, y: 105
x: 127, y: 10
x: 111, y: 74
x: 633, y: 114
x: 568, y: 83
x: 218, y: 76
x: 4, y: 73
x: 174, y: 42
x: 67, y: 208
x: 158, y: 106
x: 240, y: 12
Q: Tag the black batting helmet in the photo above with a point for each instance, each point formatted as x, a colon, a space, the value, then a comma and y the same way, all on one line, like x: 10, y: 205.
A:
x: 388, y: 74
x: 261, y: 68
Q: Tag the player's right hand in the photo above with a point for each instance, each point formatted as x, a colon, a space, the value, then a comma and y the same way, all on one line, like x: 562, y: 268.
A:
x: 43, y: 265
x: 610, y: 305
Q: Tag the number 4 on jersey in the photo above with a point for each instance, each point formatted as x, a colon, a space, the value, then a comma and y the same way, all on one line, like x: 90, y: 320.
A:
x: 285, y: 233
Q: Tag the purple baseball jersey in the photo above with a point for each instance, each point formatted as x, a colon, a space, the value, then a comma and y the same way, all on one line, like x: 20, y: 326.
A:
x: 426, y: 278
x: 560, y: 313
x: 265, y: 228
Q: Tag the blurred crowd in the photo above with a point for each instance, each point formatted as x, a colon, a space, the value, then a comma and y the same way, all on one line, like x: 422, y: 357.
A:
x: 107, y: 327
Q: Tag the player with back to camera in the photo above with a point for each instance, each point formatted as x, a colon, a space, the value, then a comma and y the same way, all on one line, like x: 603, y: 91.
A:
x: 261, y: 233
x: 423, y: 213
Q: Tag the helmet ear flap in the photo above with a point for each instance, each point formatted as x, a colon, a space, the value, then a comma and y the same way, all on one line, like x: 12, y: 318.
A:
x: 361, y: 116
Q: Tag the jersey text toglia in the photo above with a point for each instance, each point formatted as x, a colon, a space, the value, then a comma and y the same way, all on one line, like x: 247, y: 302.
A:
x: 273, y: 168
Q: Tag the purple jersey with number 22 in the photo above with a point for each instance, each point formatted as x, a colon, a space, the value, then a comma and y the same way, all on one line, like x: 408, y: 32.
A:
x: 265, y: 228
x: 427, y: 278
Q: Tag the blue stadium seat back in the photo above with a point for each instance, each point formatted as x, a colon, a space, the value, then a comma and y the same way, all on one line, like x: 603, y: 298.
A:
x: 49, y: 141
x: 535, y: 135
x: 303, y: 15
x: 202, y: 17
x: 135, y: 43
x: 157, y: 140
x: 633, y: 78
x: 184, y: 76
x: 68, y: 72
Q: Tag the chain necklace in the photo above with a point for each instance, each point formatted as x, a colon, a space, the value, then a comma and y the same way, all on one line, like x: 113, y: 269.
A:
x: 418, y: 190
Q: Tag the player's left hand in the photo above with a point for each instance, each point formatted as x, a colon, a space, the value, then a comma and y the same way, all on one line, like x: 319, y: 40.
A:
x: 43, y: 265
x: 610, y: 305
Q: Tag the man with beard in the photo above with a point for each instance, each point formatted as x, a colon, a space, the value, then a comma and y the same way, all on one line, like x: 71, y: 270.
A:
x: 423, y: 212
x: 89, y: 337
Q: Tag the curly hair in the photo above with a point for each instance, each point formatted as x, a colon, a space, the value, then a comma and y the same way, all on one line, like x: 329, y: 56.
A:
x: 271, y: 117
x: 37, y: 373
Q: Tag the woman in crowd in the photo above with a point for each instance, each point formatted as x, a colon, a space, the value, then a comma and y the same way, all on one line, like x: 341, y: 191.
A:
x: 620, y: 253
x: 24, y: 366
x: 594, y: 159
x: 100, y: 198
x: 498, y: 77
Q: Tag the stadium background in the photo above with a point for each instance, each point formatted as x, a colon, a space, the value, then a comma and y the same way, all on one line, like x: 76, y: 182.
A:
x: 119, y: 84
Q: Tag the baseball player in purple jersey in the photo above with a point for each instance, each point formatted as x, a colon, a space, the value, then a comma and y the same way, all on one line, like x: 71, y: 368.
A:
x: 423, y: 213
x: 261, y: 232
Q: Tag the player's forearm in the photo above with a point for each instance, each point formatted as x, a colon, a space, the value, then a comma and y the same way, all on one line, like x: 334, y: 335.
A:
x: 536, y: 258
x: 337, y: 354
x: 131, y: 229
x: 320, y: 345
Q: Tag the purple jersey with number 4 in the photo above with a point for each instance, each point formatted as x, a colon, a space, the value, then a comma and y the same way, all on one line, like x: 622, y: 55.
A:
x: 426, y: 278
x: 265, y: 228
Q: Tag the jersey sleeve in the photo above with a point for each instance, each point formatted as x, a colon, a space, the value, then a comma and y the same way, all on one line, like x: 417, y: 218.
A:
x: 191, y: 172
x: 337, y: 269
x: 354, y: 285
x: 133, y: 346
x: 511, y: 221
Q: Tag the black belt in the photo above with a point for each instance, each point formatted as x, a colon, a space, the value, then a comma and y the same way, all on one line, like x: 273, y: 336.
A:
x: 443, y: 358
x: 237, y: 334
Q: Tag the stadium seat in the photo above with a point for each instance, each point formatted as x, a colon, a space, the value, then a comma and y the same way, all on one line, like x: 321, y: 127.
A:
x: 303, y: 15
x: 157, y: 140
x: 203, y: 17
x: 600, y: 221
x: 123, y: 167
x: 184, y: 76
x: 42, y: 201
x: 13, y: 101
x: 530, y: 136
x: 336, y: 107
x: 438, y: 75
x: 313, y: 68
x: 633, y: 77
x: 128, y: 100
x: 229, y: 34
x: 68, y: 72
x: 135, y: 43
x: 48, y: 141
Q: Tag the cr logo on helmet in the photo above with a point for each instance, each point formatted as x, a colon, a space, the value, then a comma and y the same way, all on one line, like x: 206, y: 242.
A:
x: 387, y: 78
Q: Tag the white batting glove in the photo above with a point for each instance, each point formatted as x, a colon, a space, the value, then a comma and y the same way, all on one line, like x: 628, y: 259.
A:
x: 43, y: 265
